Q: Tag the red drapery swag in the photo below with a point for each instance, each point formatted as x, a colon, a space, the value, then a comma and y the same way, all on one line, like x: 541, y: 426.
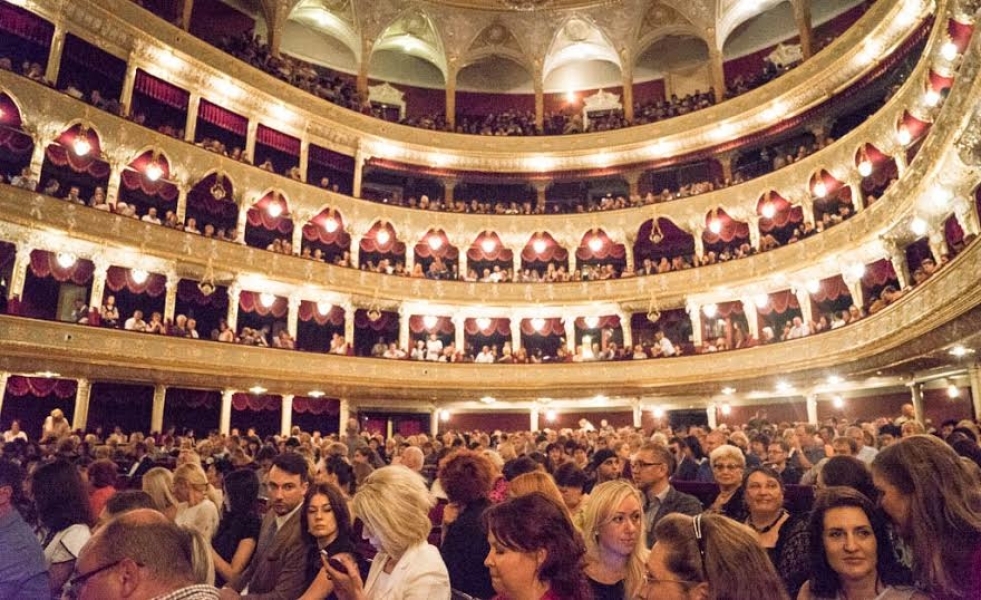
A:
x: 392, y: 247
x: 953, y: 232
x: 258, y: 217
x: 609, y: 250
x: 315, y: 231
x: 249, y: 302
x: 607, y: 322
x: 256, y: 402
x: 309, y: 312
x: 476, y: 251
x: 136, y: 180
x: 794, y: 216
x: 278, y: 140
x: 444, y: 325
x: 550, y: 327
x: 445, y: 252
x: 499, y: 326
x: 45, y: 264
x: 878, y: 273
x: 553, y: 251
x: 915, y: 126
x: 731, y: 229
x: 187, y: 291
x: 41, y: 387
x: 326, y: 158
x: 726, y: 309
x: 832, y: 288
x: 388, y: 321
x: 160, y: 90
x: 15, y: 142
x: 780, y: 302
x: 90, y: 164
x: 25, y: 24
x: 200, y: 198
x: 316, y: 406
x: 118, y: 278
x: 11, y: 114
x: 960, y: 33
x: 182, y: 397
x: 220, y: 117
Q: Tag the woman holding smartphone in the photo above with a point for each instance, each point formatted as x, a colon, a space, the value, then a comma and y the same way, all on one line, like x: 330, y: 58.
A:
x: 326, y: 529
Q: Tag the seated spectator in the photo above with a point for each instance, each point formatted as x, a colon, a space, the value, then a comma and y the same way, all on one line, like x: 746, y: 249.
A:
x: 109, y: 313
x: 23, y: 569
x: 64, y: 515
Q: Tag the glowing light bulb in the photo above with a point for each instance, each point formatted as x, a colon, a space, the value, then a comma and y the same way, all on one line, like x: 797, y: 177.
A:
x: 596, y: 243
x: 323, y: 307
x: 715, y: 226
x: 267, y: 299
x: 710, y: 310
x: 483, y: 322
x: 865, y: 168
x: 550, y: 415
x: 82, y: 146
x: 154, y: 171
x: 838, y: 402
x: 444, y: 415
x: 761, y: 300
x: 658, y: 412
x: 903, y: 135
x: 931, y: 98
x: 66, y: 259
x: 769, y: 210
x: 919, y: 226
x: 591, y: 322
x: 726, y: 409
x: 383, y: 236
x: 538, y: 323
x: 820, y: 189
x: 488, y: 245
x: 330, y: 225
x: 430, y: 321
x: 539, y: 245
x: 953, y: 391
x: 435, y: 242
x: 139, y: 276
x: 949, y: 51
x: 813, y: 286
x: 274, y: 209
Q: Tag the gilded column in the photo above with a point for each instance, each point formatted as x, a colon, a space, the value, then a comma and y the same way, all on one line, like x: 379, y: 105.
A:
x: 191, y: 122
x: 186, y: 12
x: 854, y: 288
x: 899, y: 264
x: 965, y: 210
x: 515, y: 334
x: 349, y: 325
x: 718, y: 74
x: 539, y: 81
x: 304, y: 156
x: 916, y: 397
x: 938, y: 243
x: 633, y: 182
x: 4, y: 378
x: 812, y: 409
x: 54, y: 54
x: 359, y: 159
x: 300, y: 218
x: 82, y: 397
x: 628, y: 330
x: 695, y: 314
x: 806, y: 306
x: 116, y: 167
x: 243, y: 221
x: 434, y: 420
x: 570, y: 333
x: 449, y: 185
x: 858, y: 200
x: 725, y: 161
x: 752, y: 315
x: 627, y: 70
x: 459, y: 331
x: 344, y: 413
x: 126, y: 94
x: 711, y: 415
x: 250, y: 139
x: 533, y: 418
x: 637, y: 413
x: 159, y: 402
x: 754, y: 231
x: 451, y: 94
x: 182, y: 189
x: 225, y: 418
x: 366, y: 45
x: 802, y: 14
x: 541, y: 187
x: 404, y: 339
x: 698, y: 232
x: 628, y: 249
x: 98, y: 282
x: 286, y: 418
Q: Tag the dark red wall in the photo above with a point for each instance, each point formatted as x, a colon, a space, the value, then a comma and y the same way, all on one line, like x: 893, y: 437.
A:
x: 481, y: 103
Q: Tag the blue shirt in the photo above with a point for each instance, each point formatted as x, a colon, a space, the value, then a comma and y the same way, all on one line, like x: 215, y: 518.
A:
x: 23, y: 572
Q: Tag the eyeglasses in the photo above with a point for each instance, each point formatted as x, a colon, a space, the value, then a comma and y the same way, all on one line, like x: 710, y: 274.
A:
x: 727, y: 467
x: 700, y: 540
x: 76, y: 583
x: 637, y: 465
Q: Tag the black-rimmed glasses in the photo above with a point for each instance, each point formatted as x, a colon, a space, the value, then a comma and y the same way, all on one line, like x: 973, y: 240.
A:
x: 76, y: 583
x: 700, y: 540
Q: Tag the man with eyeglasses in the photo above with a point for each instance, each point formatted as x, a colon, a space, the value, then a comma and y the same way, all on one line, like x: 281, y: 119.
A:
x: 652, y: 468
x: 139, y: 555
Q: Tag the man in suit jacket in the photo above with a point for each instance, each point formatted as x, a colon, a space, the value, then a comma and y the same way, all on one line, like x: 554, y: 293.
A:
x: 142, y: 463
x: 278, y: 568
x: 652, y: 468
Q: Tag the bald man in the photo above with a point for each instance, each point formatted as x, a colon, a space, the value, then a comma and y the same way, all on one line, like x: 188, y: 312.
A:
x: 139, y: 555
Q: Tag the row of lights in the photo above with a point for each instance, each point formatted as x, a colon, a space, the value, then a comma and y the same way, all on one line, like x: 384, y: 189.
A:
x: 259, y: 390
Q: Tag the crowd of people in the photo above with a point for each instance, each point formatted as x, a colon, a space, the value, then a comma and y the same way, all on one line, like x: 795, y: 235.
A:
x: 759, y: 510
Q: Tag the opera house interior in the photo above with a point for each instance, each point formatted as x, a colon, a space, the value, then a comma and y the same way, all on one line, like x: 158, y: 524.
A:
x: 487, y: 214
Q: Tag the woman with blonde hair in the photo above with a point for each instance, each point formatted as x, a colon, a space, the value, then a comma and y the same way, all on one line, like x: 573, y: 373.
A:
x: 708, y: 557
x: 613, y: 528
x: 159, y: 483
x: 198, y: 507
x: 394, y: 506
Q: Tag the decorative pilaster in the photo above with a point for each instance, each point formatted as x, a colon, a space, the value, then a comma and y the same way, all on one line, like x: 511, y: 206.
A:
x: 754, y: 231
x: 286, y: 417
x: 938, y: 243
x: 82, y: 396
x: 539, y: 82
x: 344, y: 413
x: 628, y: 331
x: 858, y: 200
x: 916, y: 397
x: 451, y: 72
x: 434, y: 420
x: 349, y: 325
x: 637, y: 413
x: 725, y: 161
x: 300, y: 218
x: 855, y: 289
x: 627, y: 77
x: 967, y: 216
x: 250, y: 140
x: 698, y: 232
x: 182, y: 190
x: 293, y: 316
x: 718, y: 74
x: 359, y: 159
x: 116, y: 167
x: 449, y: 185
x: 752, y: 315
x: 98, y: 282
x: 570, y: 333
x: 366, y: 44
x: 806, y: 306
x: 19, y: 274
x: 234, y: 294
x: 628, y: 248
x: 812, y: 409
x: 695, y: 314
x: 802, y: 14
x: 186, y: 11
x: 515, y: 334
x: 533, y: 418
x: 170, y: 300
x: 304, y: 156
x: 459, y: 331
x: 225, y: 418
x: 711, y: 415
x: 159, y: 401
x: 242, y: 223
x: 898, y: 260
x: 4, y: 378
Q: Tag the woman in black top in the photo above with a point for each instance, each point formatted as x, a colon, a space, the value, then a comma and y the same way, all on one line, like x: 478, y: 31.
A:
x: 326, y: 526
x: 238, y: 532
x: 467, y: 478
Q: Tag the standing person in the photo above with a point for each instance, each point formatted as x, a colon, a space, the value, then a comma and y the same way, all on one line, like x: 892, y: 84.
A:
x: 613, y: 528
x: 64, y: 514
x: 851, y: 554
x: 652, y: 468
x: 23, y: 572
x: 466, y: 477
x: 278, y: 569
x: 535, y: 552
x: 708, y: 557
x: 394, y: 506
x: 935, y: 504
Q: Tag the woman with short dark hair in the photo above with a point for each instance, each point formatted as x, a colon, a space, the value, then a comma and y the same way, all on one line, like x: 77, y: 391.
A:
x: 325, y: 526
x: 466, y: 477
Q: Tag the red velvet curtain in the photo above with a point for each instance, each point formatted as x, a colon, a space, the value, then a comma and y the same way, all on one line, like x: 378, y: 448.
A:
x: 260, y: 218
x: 553, y: 251
x: 731, y: 229
x: 316, y: 406
x: 444, y: 325
x: 187, y: 291
x: 90, y: 164
x: 220, y: 117
x: 831, y: 289
x: 495, y: 326
x: 609, y: 249
x: 878, y: 273
x: 250, y: 302
x: 26, y: 25
x: 779, y: 303
x: 118, y: 278
x: 40, y: 387
x: 45, y: 264
x: 160, y: 90
x: 726, y: 309
x: 389, y: 321
x: 136, y: 180
x: 552, y: 326
x: 315, y: 231
x: 181, y: 397
x: 278, y: 140
x: 608, y: 322
x: 446, y: 251
x: 256, y: 402
x: 309, y: 312
x: 476, y: 251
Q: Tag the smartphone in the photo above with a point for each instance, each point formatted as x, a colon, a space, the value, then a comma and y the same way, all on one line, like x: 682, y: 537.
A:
x: 334, y: 563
